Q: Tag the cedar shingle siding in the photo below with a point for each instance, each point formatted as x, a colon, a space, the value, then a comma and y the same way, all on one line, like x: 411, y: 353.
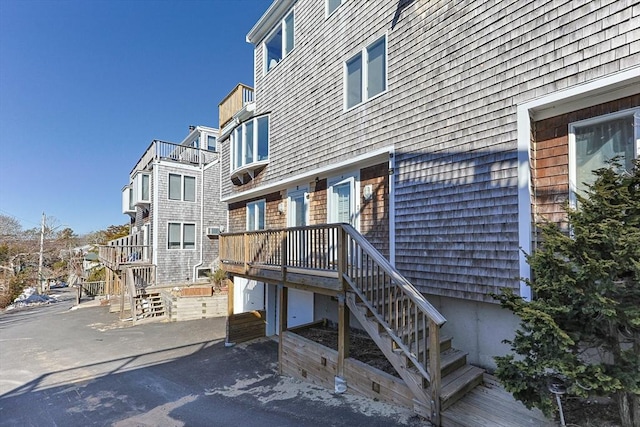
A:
x: 457, y: 72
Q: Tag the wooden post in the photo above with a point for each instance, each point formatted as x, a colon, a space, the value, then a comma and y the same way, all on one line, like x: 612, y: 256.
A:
x: 283, y: 293
x: 122, y: 295
x: 285, y: 255
x: 246, y: 253
x: 230, y: 295
x: 434, y: 371
x: 343, y: 333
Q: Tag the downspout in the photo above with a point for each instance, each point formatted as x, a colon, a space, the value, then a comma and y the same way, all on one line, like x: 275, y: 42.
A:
x: 202, y: 235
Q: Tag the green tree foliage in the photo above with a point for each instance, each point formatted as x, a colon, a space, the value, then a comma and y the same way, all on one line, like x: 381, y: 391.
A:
x: 583, y: 324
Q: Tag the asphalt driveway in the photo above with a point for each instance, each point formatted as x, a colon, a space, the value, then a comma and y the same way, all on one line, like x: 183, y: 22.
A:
x: 78, y: 366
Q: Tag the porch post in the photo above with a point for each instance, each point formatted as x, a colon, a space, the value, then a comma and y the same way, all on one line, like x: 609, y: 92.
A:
x: 343, y: 333
x: 434, y: 372
x: 283, y: 294
x: 343, y: 309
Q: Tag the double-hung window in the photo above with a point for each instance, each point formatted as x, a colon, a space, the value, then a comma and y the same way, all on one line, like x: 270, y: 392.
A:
x: 182, y: 187
x: 181, y: 236
x: 256, y: 215
x: 211, y: 143
x: 250, y: 142
x: 366, y: 73
x: 279, y: 43
x: 593, y: 142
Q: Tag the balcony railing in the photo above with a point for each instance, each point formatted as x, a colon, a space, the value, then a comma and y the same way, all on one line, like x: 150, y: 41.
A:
x: 162, y: 150
x: 125, y: 250
x: 240, y: 96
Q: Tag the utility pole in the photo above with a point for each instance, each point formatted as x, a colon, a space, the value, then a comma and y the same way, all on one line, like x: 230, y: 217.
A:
x: 42, y: 290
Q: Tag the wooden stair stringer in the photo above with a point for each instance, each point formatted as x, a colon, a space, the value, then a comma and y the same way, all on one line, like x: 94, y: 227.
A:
x: 411, y: 377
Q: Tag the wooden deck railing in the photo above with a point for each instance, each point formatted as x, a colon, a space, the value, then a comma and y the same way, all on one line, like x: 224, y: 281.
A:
x: 94, y: 289
x: 409, y: 319
x: 240, y: 96
x: 125, y: 250
x: 162, y: 150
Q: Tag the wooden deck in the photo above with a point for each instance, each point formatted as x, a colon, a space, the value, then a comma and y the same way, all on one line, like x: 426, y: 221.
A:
x: 489, y: 405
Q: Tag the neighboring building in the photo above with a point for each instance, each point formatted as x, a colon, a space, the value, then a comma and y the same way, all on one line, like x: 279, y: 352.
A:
x: 173, y: 201
x: 439, y: 130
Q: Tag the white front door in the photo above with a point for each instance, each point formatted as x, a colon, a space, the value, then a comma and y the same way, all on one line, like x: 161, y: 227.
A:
x: 342, y: 200
x: 300, y: 307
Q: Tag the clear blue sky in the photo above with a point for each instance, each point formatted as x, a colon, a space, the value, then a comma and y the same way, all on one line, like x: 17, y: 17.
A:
x: 86, y: 85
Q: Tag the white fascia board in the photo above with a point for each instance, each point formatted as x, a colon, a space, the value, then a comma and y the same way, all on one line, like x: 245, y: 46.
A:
x: 268, y: 20
x: 382, y: 153
x: 594, y: 92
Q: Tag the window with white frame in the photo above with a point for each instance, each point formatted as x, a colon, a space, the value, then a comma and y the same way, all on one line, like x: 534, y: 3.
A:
x: 141, y: 188
x: 279, y: 43
x: 250, y: 142
x: 182, y: 187
x: 366, y: 73
x: 211, y: 143
x: 332, y: 5
x: 181, y: 236
x: 593, y: 142
x: 256, y: 215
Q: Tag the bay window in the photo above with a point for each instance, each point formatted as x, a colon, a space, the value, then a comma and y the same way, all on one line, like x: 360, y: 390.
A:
x: 250, y: 143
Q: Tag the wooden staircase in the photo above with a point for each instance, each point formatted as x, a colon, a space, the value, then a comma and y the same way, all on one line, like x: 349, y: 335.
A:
x: 145, y: 304
x: 458, y: 377
x: 148, y: 305
x: 339, y: 261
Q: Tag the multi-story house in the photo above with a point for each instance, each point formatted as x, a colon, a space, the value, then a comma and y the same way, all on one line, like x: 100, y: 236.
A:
x: 440, y: 132
x: 173, y: 201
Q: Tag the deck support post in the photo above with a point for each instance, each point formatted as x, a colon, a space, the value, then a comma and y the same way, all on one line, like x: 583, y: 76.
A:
x: 343, y: 333
x: 283, y: 294
x: 434, y: 372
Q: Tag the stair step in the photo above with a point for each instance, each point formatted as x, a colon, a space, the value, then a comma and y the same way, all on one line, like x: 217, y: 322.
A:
x: 452, y: 360
x: 458, y: 383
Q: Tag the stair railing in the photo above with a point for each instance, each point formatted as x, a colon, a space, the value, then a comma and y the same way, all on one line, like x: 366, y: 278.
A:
x: 408, y: 318
x: 405, y: 314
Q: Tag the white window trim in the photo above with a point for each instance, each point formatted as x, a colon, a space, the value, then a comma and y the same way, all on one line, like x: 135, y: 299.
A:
x: 327, y: 14
x: 182, y: 224
x: 254, y: 204
x: 365, y: 73
x: 182, y: 180
x: 283, y: 27
x: 635, y: 112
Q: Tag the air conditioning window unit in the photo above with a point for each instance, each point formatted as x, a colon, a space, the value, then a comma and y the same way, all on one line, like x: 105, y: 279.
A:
x: 213, y: 231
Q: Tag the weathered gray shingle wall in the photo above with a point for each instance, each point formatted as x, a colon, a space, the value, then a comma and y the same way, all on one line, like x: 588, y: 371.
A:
x: 176, y: 265
x: 456, y: 73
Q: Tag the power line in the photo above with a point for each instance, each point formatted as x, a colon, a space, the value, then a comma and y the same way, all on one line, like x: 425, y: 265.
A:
x: 21, y: 220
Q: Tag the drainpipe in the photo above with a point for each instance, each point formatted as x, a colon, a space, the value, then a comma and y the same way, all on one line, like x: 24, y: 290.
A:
x: 203, y: 168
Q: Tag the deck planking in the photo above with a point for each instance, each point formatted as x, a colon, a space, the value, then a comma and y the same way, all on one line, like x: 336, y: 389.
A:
x: 490, y: 405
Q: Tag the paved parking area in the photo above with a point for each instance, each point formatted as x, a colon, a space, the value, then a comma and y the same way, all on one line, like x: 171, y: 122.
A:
x: 66, y: 366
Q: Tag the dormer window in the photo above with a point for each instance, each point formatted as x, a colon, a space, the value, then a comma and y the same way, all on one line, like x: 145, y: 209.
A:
x: 279, y: 43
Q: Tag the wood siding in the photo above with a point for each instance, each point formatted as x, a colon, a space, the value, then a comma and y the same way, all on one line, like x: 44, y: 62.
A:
x: 456, y: 73
x: 175, y: 266
x: 551, y: 159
